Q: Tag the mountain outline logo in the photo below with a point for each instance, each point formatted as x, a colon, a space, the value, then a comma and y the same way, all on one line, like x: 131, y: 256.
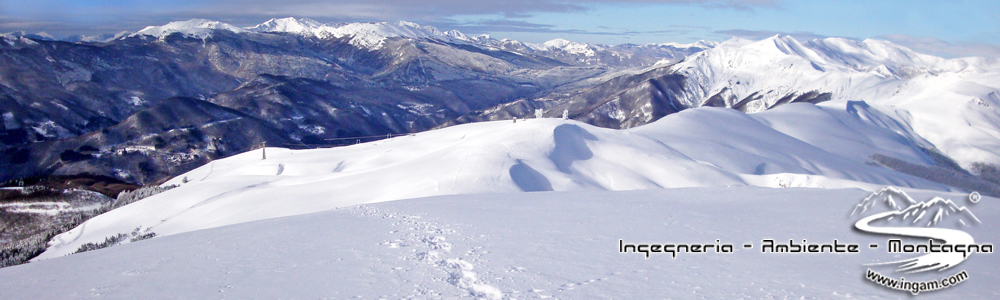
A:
x: 892, y: 212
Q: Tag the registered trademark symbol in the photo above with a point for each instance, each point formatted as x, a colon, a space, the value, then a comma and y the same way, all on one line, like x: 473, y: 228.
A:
x: 974, y: 197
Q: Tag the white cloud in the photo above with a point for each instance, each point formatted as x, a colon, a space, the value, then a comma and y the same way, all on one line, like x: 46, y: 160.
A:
x: 762, y: 34
x: 943, y: 48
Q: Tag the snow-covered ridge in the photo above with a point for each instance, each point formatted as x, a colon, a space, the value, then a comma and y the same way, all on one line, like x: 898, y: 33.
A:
x: 693, y: 148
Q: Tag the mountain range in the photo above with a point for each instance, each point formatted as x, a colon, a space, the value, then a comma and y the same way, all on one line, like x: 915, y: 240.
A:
x: 307, y: 81
x: 118, y: 106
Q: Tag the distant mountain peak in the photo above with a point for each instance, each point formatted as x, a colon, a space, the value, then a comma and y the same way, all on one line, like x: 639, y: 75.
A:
x: 198, y: 28
x: 571, y: 47
x: 457, y: 35
x: 373, y: 35
x: 699, y: 44
x: 289, y: 24
x: 42, y: 35
x: 844, y: 53
x: 101, y: 38
x: 557, y: 43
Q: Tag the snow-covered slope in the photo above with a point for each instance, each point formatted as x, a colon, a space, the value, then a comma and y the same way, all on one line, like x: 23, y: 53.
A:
x: 555, y: 245
x: 952, y: 103
x: 694, y: 148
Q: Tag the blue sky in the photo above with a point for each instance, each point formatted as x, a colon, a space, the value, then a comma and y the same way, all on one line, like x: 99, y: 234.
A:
x: 947, y: 28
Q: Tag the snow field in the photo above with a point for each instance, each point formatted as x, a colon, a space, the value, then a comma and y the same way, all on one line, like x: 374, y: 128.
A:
x: 548, y: 245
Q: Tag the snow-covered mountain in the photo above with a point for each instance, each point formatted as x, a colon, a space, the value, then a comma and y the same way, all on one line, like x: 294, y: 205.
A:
x: 101, y: 38
x: 944, y: 100
x: 409, y: 77
x: 290, y: 25
x: 371, y: 35
x: 196, y: 28
x: 948, y: 105
x: 524, y: 156
x: 943, y: 105
x: 857, y: 70
x: 568, y: 47
x: 401, y: 77
x: 21, y: 34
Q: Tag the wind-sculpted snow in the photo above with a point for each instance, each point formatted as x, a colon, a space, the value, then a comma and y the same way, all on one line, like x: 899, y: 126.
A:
x: 695, y: 148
